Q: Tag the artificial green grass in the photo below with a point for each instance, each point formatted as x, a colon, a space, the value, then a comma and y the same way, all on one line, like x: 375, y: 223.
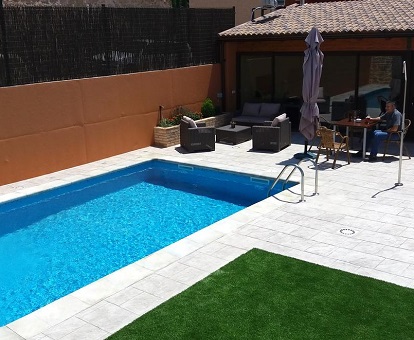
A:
x: 261, y: 295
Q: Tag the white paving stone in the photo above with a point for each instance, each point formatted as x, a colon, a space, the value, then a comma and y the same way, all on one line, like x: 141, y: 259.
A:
x: 228, y: 253
x: 392, y: 267
x: 408, y: 272
x: 87, y: 332
x: 109, y: 317
x: 203, y: 261
x: 124, y: 295
x: 64, y: 328
x: 142, y: 303
x: 28, y: 326
x: 8, y: 334
x: 160, y: 286
x: 182, y: 273
x: 61, y: 309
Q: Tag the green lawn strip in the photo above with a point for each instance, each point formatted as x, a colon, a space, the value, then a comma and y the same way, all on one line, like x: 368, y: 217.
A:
x: 261, y: 295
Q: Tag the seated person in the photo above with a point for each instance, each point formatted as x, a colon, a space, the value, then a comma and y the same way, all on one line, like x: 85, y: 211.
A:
x: 392, y: 118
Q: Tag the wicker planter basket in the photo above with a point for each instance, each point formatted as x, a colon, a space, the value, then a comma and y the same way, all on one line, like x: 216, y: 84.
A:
x: 166, y: 136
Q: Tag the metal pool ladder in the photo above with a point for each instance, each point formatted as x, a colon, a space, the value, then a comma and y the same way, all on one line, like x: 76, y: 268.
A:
x: 302, y: 178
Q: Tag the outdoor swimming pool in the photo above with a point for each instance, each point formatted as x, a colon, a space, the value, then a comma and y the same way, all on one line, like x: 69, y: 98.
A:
x: 57, y: 241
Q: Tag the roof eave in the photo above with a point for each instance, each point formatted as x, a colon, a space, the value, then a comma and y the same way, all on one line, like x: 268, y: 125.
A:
x: 329, y: 35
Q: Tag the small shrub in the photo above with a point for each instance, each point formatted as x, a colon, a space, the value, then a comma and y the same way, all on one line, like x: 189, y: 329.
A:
x: 165, y: 122
x: 207, y: 108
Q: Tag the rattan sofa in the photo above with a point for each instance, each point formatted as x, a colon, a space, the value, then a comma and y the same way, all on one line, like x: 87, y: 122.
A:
x: 272, y: 138
x: 257, y: 113
x: 200, y: 138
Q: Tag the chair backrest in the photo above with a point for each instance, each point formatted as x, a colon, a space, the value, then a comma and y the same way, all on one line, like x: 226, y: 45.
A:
x: 184, y: 124
x: 407, y: 123
x: 327, y: 137
x: 382, y: 101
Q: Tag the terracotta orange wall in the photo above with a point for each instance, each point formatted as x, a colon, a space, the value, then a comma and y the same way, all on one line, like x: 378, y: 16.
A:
x: 52, y: 126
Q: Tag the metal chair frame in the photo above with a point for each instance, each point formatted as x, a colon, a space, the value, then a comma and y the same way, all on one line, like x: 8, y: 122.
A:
x: 329, y: 143
x: 395, y: 137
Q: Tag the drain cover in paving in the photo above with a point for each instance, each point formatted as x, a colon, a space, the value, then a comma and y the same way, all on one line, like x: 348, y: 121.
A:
x: 347, y: 231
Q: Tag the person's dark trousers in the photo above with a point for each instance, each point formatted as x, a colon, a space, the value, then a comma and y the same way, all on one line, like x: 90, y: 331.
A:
x: 370, y: 137
x: 377, y: 136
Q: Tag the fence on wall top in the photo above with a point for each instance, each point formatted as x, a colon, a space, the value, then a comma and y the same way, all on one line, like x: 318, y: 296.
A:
x: 40, y: 44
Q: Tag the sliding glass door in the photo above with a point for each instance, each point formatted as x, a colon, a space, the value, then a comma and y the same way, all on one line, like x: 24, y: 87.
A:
x: 349, y: 81
x: 256, y: 78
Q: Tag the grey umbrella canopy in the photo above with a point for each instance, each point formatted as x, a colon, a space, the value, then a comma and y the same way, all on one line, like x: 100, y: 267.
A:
x: 312, y: 71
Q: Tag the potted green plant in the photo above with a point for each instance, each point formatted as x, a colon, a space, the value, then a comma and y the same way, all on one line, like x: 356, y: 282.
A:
x: 207, y: 108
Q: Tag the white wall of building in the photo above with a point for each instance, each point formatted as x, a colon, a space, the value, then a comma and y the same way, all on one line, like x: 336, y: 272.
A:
x: 243, y: 8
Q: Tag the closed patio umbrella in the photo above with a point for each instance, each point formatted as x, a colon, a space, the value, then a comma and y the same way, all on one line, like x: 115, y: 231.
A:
x: 312, y: 71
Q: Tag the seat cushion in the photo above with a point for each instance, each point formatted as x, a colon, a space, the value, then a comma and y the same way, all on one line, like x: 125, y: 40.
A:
x: 190, y: 121
x: 251, y: 109
x: 269, y: 109
x: 279, y: 119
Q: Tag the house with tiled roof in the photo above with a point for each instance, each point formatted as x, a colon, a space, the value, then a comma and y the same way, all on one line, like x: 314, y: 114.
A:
x: 366, y: 43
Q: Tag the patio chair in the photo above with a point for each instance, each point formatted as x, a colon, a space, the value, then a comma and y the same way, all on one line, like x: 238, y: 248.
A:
x: 329, y: 143
x: 395, y: 137
x: 199, y: 138
x: 272, y: 138
x: 322, y: 122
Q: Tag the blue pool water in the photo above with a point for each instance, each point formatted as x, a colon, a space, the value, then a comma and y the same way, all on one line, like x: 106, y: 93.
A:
x: 55, y: 242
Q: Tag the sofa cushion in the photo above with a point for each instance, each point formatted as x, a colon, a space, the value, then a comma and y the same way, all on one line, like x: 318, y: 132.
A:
x: 269, y: 109
x: 250, y: 120
x: 251, y: 109
x: 190, y: 121
x: 279, y: 119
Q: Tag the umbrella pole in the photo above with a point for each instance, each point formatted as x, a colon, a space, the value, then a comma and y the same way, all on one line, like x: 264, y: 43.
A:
x: 402, y: 125
x: 305, y: 153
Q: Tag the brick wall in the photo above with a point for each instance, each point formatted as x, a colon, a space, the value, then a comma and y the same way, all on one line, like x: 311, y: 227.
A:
x: 380, y: 70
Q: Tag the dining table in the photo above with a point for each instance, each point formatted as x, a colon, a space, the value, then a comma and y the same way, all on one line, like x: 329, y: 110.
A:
x: 364, y: 124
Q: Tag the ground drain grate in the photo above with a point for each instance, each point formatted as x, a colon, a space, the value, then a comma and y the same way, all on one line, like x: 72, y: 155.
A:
x: 347, y: 231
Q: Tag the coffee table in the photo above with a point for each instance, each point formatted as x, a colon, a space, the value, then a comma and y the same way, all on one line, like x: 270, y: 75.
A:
x: 235, y: 135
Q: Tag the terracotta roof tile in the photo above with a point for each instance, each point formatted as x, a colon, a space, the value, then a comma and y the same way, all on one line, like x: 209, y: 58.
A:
x: 358, y: 16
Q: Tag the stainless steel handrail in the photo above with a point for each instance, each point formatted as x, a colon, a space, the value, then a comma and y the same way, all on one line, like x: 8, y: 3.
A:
x: 316, y: 173
x: 302, y: 177
x: 302, y: 181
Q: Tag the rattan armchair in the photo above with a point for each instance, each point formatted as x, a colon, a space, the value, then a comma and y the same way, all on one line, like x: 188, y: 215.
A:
x: 395, y: 137
x: 322, y: 122
x: 272, y: 138
x: 328, y: 142
x: 200, y: 138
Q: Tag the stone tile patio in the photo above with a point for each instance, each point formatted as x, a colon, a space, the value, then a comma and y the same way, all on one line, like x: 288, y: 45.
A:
x: 361, y: 196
